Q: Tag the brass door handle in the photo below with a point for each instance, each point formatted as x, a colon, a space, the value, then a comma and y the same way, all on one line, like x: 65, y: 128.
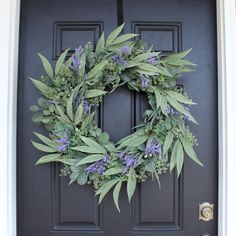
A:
x: 206, y: 211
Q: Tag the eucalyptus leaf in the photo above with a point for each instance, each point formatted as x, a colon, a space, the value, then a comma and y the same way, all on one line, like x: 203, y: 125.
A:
x: 82, y: 178
x: 180, y: 108
x: 179, y: 97
x: 69, y: 105
x: 104, y: 138
x: 124, y: 38
x: 100, y: 44
x: 43, y: 88
x: 96, y: 69
x: 105, y: 189
x: 46, y: 140
x: 86, y: 149
x: 94, y: 93
x: 113, y: 35
x: 114, y: 171
x: 90, y: 159
x: 48, y: 158
x: 47, y: 66
x: 62, y: 114
x: 60, y: 61
x: 91, y: 143
x: 131, y: 186
x: 34, y: 108
x: 134, y: 141
x: 42, y: 147
x: 167, y: 143
x: 116, y: 193
x: 82, y: 66
x: 179, y: 158
x: 78, y: 113
x: 173, y: 156
x: 145, y: 56
x: 189, y: 150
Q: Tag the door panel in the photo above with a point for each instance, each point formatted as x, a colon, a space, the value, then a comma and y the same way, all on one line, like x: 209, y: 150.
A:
x: 46, y: 204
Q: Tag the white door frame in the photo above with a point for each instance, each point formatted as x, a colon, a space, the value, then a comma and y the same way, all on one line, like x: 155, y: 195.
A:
x: 9, y: 38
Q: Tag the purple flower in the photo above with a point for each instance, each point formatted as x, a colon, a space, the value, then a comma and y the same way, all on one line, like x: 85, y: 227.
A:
x: 125, y: 49
x: 98, y: 167
x: 64, y: 143
x: 152, y: 60
x: 186, y: 117
x: 129, y: 161
x: 95, y: 168
x: 145, y: 83
x: 75, y: 60
x: 79, y: 50
x: 171, y: 111
x: 123, y: 62
x: 119, y: 59
x: 86, y: 105
x: 153, y: 148
x: 75, y: 63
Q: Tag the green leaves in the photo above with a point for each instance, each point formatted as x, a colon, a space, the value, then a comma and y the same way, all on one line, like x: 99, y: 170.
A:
x: 45, y: 140
x: 82, y: 66
x: 180, y: 98
x: 105, y: 188
x: 144, y: 56
x: 82, y: 178
x: 43, y: 88
x: 179, y: 158
x: 114, y: 171
x: 79, y: 113
x: 116, y: 193
x: 47, y: 66
x: 60, y: 61
x: 69, y: 105
x: 134, y: 141
x: 48, y: 158
x: 145, y: 67
x: 131, y: 186
x: 104, y: 138
x: 73, y: 136
x: 189, y: 150
x: 94, y: 93
x: 62, y: 115
x: 43, y: 148
x: 177, y: 155
x: 112, y: 36
x: 91, y: 143
x: 124, y: 38
x: 97, y: 68
x: 100, y: 44
x: 167, y: 143
x: 174, y: 155
x: 180, y: 108
x: 90, y: 159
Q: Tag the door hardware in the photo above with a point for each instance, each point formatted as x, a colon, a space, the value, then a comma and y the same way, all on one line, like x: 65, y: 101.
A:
x: 206, y: 211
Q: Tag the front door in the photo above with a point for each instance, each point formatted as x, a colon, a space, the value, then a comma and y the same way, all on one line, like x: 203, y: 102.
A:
x: 46, y: 204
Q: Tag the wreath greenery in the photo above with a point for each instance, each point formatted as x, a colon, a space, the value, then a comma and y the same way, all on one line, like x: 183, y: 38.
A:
x: 72, y: 91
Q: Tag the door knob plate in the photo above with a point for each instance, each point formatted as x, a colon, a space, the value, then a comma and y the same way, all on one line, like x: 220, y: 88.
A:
x: 206, y: 211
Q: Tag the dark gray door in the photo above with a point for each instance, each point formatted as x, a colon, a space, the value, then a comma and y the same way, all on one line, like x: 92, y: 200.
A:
x: 46, y: 204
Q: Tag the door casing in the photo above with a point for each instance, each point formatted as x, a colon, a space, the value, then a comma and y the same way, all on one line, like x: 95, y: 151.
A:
x: 226, y: 35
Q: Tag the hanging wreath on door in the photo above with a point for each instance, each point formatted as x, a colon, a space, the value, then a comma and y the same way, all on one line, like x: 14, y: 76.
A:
x: 75, y: 88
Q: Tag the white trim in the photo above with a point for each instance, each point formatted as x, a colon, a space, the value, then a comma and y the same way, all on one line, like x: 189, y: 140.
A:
x: 9, y: 28
x: 9, y: 35
x: 226, y: 25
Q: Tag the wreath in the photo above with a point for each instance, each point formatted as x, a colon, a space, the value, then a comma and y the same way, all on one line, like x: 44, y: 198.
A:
x: 72, y: 92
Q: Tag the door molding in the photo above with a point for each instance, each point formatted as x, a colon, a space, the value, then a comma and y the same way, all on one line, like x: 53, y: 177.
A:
x: 226, y: 33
